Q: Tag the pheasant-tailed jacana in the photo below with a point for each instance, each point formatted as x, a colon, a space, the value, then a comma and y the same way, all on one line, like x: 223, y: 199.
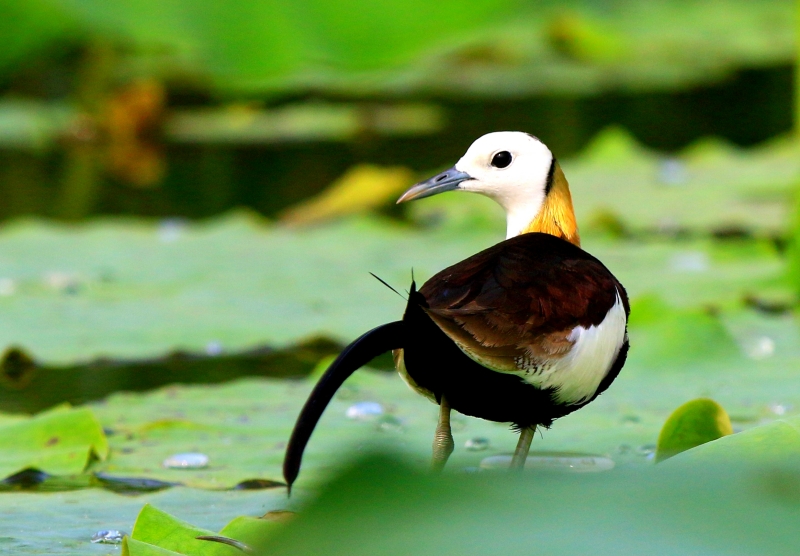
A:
x: 524, y: 332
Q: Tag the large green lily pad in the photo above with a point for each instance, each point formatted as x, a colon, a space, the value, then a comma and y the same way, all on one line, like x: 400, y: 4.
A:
x: 137, y: 290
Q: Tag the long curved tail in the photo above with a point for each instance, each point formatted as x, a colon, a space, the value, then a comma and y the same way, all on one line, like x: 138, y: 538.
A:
x: 375, y: 342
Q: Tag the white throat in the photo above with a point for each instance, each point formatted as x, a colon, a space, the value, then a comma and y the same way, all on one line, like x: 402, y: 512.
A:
x: 519, y: 217
x: 521, y: 204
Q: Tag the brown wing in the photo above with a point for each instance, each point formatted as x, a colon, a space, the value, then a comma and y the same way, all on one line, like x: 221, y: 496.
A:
x: 521, y: 299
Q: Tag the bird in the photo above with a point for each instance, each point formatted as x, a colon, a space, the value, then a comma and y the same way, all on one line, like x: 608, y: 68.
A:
x: 524, y: 332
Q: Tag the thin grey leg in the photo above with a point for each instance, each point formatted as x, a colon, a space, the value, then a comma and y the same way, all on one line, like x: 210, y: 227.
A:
x: 443, y: 440
x: 523, y: 447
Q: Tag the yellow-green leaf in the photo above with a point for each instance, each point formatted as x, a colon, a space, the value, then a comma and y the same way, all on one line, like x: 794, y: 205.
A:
x: 692, y: 424
x: 59, y: 441
x: 132, y: 547
x: 250, y: 530
x: 165, y: 531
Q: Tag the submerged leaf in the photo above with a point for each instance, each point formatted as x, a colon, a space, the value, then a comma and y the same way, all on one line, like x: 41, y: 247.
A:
x: 692, y: 424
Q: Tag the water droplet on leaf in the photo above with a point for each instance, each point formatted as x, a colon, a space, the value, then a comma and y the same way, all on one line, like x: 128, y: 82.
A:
x: 190, y: 460
x: 779, y: 408
x: 760, y: 347
x: 213, y: 348
x: 477, y: 444
x: 110, y: 536
x: 7, y: 287
x: 64, y: 282
x: 691, y: 261
x: 648, y: 451
x: 364, y: 410
x: 672, y: 171
x: 171, y: 229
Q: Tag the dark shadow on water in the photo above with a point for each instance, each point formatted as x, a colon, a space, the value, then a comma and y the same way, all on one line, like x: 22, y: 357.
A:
x: 27, y: 386
x: 33, y: 480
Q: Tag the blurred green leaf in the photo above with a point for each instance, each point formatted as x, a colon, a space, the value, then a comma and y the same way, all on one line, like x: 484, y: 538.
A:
x: 60, y: 442
x: 615, y: 146
x: 30, y: 26
x: 665, y: 336
x: 488, y: 47
x: 708, y: 187
x: 380, y: 506
x: 586, y: 41
x: 264, y: 44
x: 793, y: 249
x: 692, y: 424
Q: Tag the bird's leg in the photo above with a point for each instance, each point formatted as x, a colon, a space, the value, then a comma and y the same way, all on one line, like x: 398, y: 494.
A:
x: 523, y: 447
x: 443, y: 440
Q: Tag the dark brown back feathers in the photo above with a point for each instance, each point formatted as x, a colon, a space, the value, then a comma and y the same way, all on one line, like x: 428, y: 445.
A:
x: 521, y: 297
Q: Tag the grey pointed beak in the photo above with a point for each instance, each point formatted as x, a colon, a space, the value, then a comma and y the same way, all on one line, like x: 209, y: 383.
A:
x: 446, y: 181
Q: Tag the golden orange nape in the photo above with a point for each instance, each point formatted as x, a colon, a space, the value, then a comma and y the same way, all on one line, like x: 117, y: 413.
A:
x: 557, y: 217
x: 520, y: 173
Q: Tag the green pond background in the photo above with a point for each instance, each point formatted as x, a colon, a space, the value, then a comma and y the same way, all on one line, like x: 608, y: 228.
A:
x: 194, y: 195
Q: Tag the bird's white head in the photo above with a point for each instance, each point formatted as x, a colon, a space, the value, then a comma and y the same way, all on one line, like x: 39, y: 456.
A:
x: 521, y: 174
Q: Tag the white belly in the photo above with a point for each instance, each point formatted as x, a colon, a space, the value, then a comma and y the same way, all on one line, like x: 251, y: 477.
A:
x: 576, y: 375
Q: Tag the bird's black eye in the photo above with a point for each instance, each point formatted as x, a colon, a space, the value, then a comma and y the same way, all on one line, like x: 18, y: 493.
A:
x: 501, y: 159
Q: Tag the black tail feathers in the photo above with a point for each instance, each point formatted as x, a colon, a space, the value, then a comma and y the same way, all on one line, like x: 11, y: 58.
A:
x: 375, y: 342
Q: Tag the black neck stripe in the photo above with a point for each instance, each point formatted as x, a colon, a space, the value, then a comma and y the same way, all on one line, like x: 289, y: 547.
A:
x: 550, y: 175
